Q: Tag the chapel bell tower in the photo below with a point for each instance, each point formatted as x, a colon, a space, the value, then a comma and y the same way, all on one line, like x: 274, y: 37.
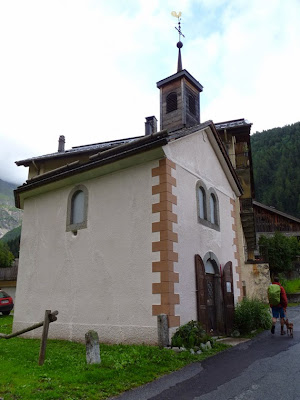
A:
x: 179, y: 96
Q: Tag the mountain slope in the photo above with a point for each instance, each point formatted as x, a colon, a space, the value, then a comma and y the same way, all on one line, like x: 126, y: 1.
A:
x: 276, y: 167
x: 10, y: 216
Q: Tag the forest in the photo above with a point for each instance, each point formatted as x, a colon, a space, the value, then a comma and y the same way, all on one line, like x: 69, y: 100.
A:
x: 276, y: 168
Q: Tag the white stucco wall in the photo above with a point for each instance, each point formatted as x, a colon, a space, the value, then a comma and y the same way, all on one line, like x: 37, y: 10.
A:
x: 196, y: 160
x: 101, y: 278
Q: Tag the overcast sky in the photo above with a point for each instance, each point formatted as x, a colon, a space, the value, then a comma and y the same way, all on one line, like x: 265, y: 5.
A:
x: 88, y: 69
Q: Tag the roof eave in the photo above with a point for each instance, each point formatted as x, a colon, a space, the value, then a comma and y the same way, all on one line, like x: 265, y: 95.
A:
x: 78, y: 169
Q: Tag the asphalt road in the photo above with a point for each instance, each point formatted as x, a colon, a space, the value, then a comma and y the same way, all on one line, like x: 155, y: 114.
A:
x: 265, y: 368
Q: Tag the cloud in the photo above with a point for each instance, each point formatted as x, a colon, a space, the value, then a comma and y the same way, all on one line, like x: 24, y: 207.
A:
x: 88, y: 69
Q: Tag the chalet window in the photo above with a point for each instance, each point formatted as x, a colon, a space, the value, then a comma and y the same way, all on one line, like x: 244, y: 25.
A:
x: 171, y: 102
x: 192, y: 104
x: 77, y: 209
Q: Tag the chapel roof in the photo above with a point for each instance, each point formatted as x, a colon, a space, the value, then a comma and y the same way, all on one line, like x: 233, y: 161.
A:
x: 108, y: 152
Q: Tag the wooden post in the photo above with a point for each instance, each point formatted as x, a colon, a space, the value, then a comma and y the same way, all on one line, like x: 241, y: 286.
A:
x: 52, y: 318
x: 44, y: 337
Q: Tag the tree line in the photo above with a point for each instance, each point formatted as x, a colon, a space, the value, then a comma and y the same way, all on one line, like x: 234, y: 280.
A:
x: 276, y: 168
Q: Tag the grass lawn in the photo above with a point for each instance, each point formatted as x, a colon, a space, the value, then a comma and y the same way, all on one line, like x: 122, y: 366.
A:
x: 65, y: 374
x: 292, y: 286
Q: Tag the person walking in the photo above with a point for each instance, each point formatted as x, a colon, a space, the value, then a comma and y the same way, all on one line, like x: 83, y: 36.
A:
x: 278, y: 303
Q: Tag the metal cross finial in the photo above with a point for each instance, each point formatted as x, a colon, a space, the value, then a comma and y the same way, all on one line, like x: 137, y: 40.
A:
x: 178, y: 15
x: 179, y: 44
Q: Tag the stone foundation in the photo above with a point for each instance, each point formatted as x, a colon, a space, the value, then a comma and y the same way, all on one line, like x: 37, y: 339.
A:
x: 257, y: 279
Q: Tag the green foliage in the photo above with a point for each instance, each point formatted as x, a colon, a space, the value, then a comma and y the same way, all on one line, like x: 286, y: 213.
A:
x: 290, y: 286
x: 251, y: 314
x: 280, y: 251
x: 6, y: 257
x: 190, y: 335
x: 66, y: 375
x: 11, y: 235
x: 276, y: 168
x: 12, y: 238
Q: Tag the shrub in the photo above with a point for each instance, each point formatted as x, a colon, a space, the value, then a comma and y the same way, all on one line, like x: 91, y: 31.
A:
x: 6, y: 257
x: 190, y: 335
x: 251, y: 314
x: 280, y: 251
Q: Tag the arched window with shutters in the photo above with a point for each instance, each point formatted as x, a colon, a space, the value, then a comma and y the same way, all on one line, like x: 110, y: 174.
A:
x: 171, y: 101
x: 77, y: 209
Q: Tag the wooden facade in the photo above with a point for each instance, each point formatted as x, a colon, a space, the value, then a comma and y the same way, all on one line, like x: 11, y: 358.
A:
x: 270, y: 220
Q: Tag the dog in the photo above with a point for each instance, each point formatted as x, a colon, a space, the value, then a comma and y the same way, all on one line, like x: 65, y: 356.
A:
x: 289, y: 327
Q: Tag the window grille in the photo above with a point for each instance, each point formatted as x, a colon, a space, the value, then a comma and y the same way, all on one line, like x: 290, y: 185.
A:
x: 171, y: 102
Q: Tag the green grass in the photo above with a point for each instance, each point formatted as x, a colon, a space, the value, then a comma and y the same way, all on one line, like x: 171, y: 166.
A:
x: 292, y: 286
x: 65, y: 374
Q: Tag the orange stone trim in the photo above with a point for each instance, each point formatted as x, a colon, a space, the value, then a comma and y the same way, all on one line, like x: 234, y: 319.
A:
x: 165, y: 244
x: 238, y: 268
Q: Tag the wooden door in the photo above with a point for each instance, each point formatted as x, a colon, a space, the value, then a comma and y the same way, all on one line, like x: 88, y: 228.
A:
x: 201, y: 292
x: 211, y: 302
x: 228, y: 297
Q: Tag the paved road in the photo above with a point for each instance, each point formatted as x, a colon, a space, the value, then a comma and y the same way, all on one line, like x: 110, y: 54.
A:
x: 267, y: 367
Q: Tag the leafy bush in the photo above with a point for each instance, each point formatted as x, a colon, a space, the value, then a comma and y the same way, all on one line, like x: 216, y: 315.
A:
x: 280, y: 251
x: 190, y: 335
x: 251, y: 314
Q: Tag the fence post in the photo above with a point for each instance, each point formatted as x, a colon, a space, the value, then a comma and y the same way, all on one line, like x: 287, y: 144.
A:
x: 163, y: 330
x: 44, y: 337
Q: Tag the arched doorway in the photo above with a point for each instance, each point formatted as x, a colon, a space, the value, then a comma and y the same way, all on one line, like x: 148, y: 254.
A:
x: 209, y: 293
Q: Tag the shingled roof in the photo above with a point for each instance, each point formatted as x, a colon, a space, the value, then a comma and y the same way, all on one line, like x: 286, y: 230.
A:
x: 109, y: 152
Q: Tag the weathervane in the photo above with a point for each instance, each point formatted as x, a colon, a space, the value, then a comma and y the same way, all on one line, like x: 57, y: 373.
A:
x: 174, y: 13
x: 179, y: 44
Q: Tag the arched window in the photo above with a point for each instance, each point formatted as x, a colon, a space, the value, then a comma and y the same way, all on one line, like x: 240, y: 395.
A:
x: 77, y: 208
x: 212, y: 201
x: 202, y: 202
x: 209, y: 268
x: 213, y: 208
x: 171, y: 102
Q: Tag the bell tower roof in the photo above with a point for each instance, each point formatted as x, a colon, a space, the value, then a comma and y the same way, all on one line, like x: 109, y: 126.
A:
x: 180, y: 75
